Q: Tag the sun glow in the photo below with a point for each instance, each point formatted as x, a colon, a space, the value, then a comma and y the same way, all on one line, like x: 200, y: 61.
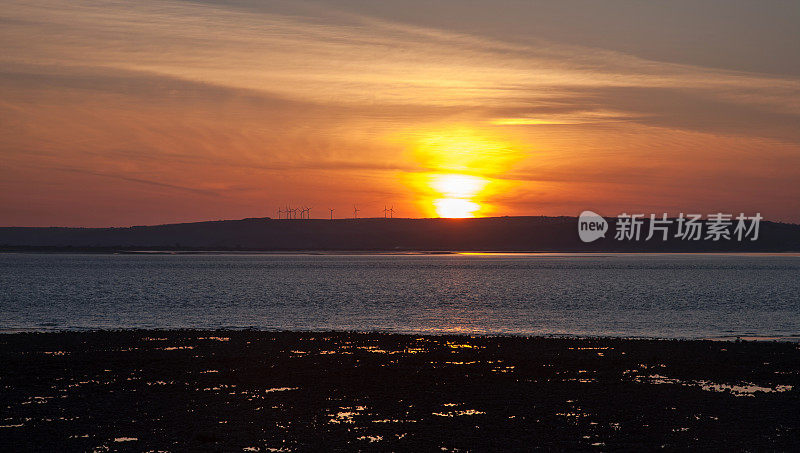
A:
x: 463, y: 166
x: 458, y: 191
x: 455, y: 207
x: 458, y: 186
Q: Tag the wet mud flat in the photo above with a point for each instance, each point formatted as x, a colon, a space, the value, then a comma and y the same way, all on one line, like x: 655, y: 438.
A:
x: 265, y: 391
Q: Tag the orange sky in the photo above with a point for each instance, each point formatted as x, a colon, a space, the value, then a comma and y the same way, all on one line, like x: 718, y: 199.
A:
x: 117, y: 113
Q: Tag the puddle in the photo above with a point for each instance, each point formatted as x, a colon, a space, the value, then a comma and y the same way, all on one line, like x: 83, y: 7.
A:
x: 743, y: 389
x: 281, y: 389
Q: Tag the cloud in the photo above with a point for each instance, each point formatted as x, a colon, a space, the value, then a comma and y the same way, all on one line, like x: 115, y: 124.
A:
x: 343, y: 58
x: 257, y: 101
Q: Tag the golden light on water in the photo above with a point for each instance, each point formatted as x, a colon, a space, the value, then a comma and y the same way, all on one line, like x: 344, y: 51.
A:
x: 464, y: 165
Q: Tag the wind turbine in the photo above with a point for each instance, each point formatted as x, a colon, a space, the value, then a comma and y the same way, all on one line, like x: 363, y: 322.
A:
x: 331, y: 213
x: 355, y: 212
x: 391, y: 212
x: 385, y: 211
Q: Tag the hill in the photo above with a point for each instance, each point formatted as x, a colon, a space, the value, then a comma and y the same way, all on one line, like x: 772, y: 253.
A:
x: 377, y: 234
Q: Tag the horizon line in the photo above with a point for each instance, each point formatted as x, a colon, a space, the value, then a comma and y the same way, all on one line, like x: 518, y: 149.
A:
x: 322, y: 219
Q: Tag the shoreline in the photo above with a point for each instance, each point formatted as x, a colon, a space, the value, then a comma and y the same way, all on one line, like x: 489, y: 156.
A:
x: 241, y: 389
x: 791, y: 339
x: 497, y: 234
x: 546, y: 253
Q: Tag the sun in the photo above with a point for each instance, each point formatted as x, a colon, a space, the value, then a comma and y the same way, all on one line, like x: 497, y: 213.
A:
x: 461, y: 170
x: 456, y: 208
x: 457, y: 192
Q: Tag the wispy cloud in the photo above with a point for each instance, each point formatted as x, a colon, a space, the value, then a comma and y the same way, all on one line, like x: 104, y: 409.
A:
x: 256, y: 97
x: 343, y: 58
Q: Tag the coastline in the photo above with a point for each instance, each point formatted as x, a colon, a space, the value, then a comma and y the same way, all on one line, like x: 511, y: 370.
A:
x: 265, y: 391
x: 791, y: 339
x: 385, y: 252
x: 498, y: 234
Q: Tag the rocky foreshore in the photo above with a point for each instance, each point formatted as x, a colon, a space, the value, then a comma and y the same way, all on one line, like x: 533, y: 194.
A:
x: 286, y: 391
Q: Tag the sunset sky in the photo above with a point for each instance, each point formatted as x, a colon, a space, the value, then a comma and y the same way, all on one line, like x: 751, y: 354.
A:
x: 144, y: 112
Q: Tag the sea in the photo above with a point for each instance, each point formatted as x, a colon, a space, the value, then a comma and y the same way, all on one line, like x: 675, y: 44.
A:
x: 685, y: 296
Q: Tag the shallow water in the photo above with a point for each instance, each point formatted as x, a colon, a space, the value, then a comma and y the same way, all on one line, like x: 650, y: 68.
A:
x: 668, y: 296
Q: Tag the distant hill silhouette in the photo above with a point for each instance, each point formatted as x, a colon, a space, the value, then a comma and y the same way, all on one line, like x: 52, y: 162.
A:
x: 378, y: 234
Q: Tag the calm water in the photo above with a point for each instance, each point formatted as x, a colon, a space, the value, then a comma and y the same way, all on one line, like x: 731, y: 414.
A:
x: 611, y: 295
